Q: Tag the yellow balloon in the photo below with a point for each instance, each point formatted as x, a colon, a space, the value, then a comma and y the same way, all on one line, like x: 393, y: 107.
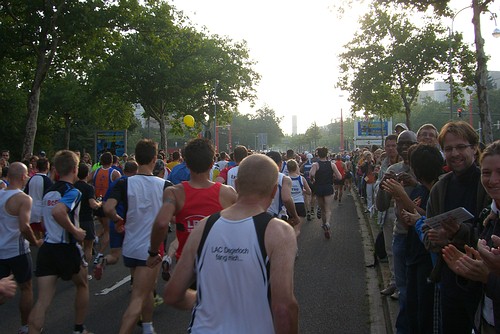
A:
x: 189, y: 121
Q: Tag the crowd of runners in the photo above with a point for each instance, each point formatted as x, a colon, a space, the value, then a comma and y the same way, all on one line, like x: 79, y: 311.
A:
x: 237, y: 218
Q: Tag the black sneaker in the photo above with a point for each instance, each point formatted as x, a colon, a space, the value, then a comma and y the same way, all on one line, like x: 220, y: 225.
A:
x: 318, y: 213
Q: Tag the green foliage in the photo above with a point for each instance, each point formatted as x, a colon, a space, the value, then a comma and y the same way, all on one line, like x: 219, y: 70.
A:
x: 245, y: 128
x: 391, y: 57
x: 98, y: 58
x: 171, y: 70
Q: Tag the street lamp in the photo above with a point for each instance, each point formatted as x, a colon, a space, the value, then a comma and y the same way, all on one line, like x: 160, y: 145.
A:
x: 496, y: 31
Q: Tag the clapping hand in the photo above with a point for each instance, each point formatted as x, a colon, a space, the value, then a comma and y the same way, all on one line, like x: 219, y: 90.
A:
x: 410, y: 218
x: 490, y: 255
x: 469, y: 265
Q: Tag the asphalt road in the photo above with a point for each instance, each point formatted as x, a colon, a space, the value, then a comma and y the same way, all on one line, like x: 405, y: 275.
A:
x: 332, y: 287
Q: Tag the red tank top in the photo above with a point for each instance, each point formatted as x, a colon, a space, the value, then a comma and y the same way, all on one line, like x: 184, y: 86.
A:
x: 198, y: 203
x: 340, y: 167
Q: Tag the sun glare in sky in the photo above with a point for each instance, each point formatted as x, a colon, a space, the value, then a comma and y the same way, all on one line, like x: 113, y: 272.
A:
x: 295, y: 44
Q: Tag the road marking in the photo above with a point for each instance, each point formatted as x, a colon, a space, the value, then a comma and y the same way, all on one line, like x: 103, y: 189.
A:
x: 114, y: 287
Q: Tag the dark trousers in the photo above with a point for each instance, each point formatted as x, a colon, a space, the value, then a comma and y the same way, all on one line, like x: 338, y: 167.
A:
x: 458, y: 310
x: 420, y: 297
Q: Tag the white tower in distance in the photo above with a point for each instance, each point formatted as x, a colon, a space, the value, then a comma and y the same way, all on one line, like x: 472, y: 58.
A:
x: 294, y: 125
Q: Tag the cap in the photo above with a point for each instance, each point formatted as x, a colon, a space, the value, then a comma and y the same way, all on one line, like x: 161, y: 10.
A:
x: 402, y: 125
x: 42, y: 153
x: 309, y: 156
x: 159, y: 166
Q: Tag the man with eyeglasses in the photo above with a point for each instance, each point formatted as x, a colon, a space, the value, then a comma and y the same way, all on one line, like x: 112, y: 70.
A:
x: 428, y: 134
x: 459, y: 188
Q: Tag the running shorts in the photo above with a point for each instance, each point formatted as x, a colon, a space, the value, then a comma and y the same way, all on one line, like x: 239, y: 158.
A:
x: 20, y: 266
x: 324, y: 190
x: 61, y: 260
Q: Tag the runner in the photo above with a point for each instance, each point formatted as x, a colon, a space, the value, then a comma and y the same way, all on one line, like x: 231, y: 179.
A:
x: 15, y: 232
x: 228, y: 174
x: 299, y: 188
x: 88, y: 204
x: 243, y: 260
x: 116, y: 229
x: 305, y: 170
x: 142, y: 196
x: 190, y: 201
x: 339, y: 183
x: 102, y: 178
x: 282, y: 205
x: 36, y: 188
x: 322, y: 175
x: 60, y: 256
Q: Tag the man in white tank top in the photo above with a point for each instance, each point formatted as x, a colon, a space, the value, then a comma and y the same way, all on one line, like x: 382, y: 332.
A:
x: 238, y: 258
x: 143, y: 195
x: 15, y: 232
x: 282, y: 203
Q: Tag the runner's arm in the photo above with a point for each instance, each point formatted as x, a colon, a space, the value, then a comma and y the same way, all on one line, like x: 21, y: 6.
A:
x: 336, y: 172
x: 60, y: 214
x: 177, y: 292
x: 307, y: 189
x: 312, y: 172
x: 281, y: 246
x: 160, y: 225
x: 24, y: 221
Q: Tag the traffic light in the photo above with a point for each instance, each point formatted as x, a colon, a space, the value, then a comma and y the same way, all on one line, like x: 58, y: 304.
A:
x: 459, y: 112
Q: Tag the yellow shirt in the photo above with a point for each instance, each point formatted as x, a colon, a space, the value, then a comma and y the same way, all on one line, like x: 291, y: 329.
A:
x: 172, y: 164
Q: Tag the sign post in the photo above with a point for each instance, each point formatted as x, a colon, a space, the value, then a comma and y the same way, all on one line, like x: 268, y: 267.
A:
x: 371, y: 132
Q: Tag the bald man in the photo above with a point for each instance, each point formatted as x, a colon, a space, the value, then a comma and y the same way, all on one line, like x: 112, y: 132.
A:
x: 243, y: 252
x: 15, y: 236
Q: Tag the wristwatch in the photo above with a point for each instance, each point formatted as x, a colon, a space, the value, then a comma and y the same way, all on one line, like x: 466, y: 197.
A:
x: 153, y: 254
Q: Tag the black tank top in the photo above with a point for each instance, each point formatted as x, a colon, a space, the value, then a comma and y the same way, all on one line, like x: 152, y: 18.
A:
x: 324, y: 174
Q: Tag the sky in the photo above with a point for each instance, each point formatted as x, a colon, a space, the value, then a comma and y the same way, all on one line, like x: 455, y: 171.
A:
x: 296, y: 44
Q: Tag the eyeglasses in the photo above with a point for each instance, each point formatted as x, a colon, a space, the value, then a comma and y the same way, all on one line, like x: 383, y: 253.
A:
x: 460, y: 148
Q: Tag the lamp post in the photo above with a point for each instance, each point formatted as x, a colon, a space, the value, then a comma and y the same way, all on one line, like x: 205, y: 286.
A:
x: 450, y: 37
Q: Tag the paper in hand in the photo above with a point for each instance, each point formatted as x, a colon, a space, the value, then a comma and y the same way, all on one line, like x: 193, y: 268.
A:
x: 459, y: 214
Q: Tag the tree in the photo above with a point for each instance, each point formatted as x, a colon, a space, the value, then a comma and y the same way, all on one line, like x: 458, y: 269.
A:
x: 170, y: 69
x: 313, y: 135
x: 481, y: 75
x: 389, y: 58
x: 266, y: 121
x: 245, y: 128
x: 80, y: 107
x: 37, y: 34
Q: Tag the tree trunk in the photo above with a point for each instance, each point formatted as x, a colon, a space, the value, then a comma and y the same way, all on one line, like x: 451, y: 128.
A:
x: 31, y: 123
x: 481, y: 77
x: 163, y: 133
x: 45, y: 51
x: 407, y: 115
x: 67, y: 130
